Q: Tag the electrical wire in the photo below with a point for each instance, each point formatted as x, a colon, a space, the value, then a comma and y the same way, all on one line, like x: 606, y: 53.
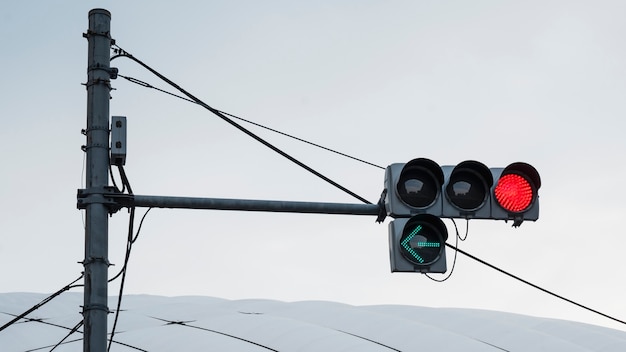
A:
x: 129, y: 245
x: 38, y: 320
x: 302, y: 140
x: 147, y: 85
x: 123, y: 272
x: 44, y: 347
x: 43, y: 302
x: 535, y: 286
x: 458, y: 250
x: 117, y: 189
x: 466, y: 230
x: 457, y: 237
x: 132, y: 241
x: 122, y: 53
x: 124, y: 179
x: 73, y: 330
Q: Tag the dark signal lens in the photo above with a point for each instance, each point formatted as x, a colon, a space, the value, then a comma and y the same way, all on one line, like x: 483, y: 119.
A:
x: 469, y: 185
x: 417, y: 188
x: 419, y: 183
x: 514, y: 193
x: 467, y: 190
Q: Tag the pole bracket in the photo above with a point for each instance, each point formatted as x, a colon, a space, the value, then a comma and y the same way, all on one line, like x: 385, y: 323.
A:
x: 100, y: 307
x: 111, y: 71
x: 92, y: 33
x: 109, y: 196
x: 95, y: 260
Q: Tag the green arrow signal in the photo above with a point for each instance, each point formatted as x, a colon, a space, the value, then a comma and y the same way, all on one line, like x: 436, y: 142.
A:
x: 405, y: 244
x: 410, y: 249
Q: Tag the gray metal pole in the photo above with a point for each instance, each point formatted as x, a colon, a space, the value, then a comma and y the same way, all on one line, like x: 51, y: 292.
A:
x: 96, y: 263
x: 250, y: 205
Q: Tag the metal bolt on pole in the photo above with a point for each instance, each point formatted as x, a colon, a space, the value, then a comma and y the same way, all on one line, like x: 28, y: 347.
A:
x: 96, y: 263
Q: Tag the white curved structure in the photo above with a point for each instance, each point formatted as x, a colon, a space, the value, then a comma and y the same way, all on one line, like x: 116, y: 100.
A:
x: 154, y: 323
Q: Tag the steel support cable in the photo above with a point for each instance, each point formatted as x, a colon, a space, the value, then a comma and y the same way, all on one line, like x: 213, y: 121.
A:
x: 303, y: 140
x: 535, y: 286
x: 123, y: 53
x: 44, y: 347
x: 73, y: 330
x: 148, y: 85
x: 44, y: 301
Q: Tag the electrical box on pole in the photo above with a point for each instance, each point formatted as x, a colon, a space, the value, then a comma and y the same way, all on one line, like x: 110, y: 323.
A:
x: 118, y: 140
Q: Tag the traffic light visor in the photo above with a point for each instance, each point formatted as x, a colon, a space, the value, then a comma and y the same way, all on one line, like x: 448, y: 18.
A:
x: 516, y: 190
x: 419, y: 183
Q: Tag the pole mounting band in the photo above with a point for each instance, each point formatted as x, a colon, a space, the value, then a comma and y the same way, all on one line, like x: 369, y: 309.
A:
x: 107, y: 195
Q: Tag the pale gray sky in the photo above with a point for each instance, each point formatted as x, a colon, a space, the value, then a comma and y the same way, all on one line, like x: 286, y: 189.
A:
x: 495, y: 81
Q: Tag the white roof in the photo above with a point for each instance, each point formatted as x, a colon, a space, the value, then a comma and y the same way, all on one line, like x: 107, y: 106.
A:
x: 192, y: 323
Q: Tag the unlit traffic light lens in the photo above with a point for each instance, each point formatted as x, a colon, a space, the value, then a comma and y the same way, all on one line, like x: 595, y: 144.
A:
x: 469, y: 185
x: 417, y: 188
x: 419, y: 183
x: 467, y: 190
x: 514, y: 193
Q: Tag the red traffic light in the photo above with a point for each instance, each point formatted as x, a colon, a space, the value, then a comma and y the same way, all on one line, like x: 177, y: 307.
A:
x: 516, y: 189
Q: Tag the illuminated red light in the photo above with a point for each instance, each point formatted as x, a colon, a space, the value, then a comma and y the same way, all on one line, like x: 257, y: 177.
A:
x: 514, y: 193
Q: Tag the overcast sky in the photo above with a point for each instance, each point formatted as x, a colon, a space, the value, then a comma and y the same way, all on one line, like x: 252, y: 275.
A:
x: 386, y: 81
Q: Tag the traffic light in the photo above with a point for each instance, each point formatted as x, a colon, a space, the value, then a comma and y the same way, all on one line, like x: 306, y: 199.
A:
x: 417, y: 244
x: 468, y: 190
x: 420, y: 192
x: 515, y: 193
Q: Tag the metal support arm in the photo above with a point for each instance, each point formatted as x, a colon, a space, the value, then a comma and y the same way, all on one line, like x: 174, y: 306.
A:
x: 246, y: 205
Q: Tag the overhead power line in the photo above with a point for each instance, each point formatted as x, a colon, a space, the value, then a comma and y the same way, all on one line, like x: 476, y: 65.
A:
x: 43, y: 302
x: 534, y: 285
x: 190, y: 98
x: 122, y: 53
x: 148, y: 85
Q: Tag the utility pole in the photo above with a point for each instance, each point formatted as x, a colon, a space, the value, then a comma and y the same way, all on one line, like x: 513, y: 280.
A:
x: 96, y: 263
x: 99, y: 200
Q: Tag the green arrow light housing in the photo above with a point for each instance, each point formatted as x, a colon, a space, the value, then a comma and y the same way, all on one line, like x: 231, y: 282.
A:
x: 423, y: 239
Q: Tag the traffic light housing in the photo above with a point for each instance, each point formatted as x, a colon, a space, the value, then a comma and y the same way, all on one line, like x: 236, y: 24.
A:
x: 417, y: 244
x: 468, y: 190
x: 420, y: 192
